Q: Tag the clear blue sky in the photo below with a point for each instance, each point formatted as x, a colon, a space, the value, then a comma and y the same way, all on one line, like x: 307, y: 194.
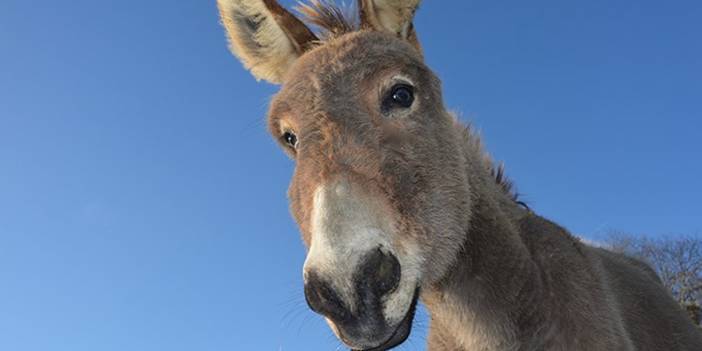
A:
x: 142, y: 204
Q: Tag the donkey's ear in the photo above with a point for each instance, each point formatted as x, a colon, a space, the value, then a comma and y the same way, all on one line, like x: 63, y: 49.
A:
x: 265, y: 36
x: 393, y: 16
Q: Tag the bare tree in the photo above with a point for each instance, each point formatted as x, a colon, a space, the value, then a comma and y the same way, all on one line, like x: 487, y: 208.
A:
x: 678, y: 262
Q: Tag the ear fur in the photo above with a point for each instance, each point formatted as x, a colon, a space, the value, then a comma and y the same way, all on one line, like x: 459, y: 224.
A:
x: 393, y: 16
x: 264, y: 36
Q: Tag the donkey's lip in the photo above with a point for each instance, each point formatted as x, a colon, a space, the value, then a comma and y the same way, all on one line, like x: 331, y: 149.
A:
x: 403, y: 329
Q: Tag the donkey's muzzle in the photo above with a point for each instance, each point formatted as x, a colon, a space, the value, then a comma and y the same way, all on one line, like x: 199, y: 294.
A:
x: 357, y: 314
x: 378, y: 274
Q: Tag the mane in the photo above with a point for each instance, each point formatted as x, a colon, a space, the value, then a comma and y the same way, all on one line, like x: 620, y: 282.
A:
x: 474, y: 144
x: 329, y: 18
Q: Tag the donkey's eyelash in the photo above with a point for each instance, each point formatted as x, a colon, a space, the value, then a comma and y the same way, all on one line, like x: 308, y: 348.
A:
x: 400, y: 79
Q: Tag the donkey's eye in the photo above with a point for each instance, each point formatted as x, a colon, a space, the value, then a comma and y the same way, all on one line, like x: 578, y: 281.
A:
x: 290, y: 139
x: 400, y: 96
x: 403, y: 95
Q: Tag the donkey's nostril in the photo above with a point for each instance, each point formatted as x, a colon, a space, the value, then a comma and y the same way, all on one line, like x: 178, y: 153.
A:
x: 323, y: 299
x: 382, y: 271
x: 388, y: 273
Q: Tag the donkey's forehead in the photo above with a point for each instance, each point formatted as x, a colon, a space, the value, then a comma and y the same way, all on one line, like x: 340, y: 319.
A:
x: 344, y: 65
x: 353, y: 54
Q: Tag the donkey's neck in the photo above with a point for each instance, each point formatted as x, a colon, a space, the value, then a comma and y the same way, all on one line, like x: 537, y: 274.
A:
x: 493, y: 281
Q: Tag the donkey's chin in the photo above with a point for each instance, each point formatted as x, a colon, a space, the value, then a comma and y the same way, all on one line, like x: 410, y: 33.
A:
x: 397, y: 335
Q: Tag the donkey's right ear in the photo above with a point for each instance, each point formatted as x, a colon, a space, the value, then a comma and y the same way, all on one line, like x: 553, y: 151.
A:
x: 265, y: 36
x: 391, y: 16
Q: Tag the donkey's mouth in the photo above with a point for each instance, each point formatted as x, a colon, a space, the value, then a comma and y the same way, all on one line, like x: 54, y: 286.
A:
x: 403, y: 329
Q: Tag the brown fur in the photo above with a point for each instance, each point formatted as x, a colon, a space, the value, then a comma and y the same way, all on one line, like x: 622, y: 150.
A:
x: 495, y: 275
x: 332, y: 20
x: 265, y: 36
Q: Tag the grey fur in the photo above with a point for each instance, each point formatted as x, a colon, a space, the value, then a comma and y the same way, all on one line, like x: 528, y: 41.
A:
x: 496, y: 276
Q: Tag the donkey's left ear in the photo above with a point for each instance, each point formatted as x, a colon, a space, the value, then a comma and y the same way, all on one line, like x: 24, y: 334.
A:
x: 393, y: 16
x: 265, y: 36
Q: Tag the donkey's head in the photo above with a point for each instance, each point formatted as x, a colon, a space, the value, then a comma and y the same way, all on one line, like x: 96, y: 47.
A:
x: 379, y: 190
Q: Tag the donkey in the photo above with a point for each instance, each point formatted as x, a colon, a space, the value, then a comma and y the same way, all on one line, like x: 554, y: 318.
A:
x: 397, y: 201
